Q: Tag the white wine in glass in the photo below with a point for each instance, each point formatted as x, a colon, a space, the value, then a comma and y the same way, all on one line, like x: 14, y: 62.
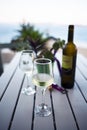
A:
x: 26, y: 65
x: 42, y: 78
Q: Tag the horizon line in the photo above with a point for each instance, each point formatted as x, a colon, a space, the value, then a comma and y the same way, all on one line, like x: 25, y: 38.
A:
x: 51, y: 23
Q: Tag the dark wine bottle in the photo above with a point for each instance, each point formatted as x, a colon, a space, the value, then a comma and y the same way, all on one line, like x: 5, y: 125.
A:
x: 69, y: 60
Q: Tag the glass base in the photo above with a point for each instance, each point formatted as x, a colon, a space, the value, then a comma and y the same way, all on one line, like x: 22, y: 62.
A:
x: 28, y: 91
x: 42, y: 110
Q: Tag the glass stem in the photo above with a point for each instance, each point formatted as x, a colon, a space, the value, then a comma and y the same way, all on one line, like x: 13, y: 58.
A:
x: 43, y: 99
x: 27, y: 81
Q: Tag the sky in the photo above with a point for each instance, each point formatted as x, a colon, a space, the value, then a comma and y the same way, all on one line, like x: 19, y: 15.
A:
x: 44, y: 11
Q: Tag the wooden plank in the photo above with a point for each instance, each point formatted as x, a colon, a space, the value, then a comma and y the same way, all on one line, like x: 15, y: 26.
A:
x: 14, y: 62
x: 82, y: 65
x: 63, y: 114
x: 7, y: 75
x: 82, y: 83
x: 24, y: 112
x: 43, y: 123
x: 9, y: 100
x: 1, y: 64
x: 79, y: 107
x: 82, y: 59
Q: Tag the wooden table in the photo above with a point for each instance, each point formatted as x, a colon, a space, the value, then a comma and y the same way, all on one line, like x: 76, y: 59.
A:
x: 69, y: 111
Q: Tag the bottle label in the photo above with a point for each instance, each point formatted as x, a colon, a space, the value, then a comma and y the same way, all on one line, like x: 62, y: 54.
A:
x: 67, y: 62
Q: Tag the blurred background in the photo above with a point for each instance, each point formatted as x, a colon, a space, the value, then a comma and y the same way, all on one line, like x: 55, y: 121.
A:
x: 51, y: 17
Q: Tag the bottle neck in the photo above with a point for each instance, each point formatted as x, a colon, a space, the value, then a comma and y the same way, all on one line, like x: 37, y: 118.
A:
x: 70, y: 33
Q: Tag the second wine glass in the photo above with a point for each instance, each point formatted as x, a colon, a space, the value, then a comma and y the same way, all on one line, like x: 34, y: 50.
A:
x: 26, y: 65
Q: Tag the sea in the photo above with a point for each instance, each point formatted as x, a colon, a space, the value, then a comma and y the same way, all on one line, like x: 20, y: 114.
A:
x: 10, y: 31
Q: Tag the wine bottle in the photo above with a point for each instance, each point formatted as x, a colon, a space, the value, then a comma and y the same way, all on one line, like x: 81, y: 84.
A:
x: 69, y: 60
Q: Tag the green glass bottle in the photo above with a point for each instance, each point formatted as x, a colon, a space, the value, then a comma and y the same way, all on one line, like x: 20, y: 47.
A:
x: 69, y: 61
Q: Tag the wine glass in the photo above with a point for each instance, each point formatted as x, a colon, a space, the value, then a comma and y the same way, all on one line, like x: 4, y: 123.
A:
x: 26, y: 65
x: 42, y: 78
